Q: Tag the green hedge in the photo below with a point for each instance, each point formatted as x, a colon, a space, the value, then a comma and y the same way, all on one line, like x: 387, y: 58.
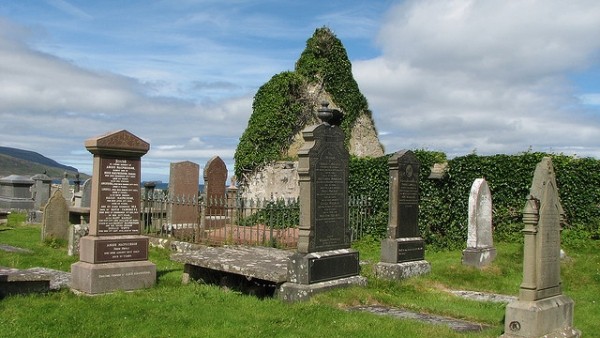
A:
x: 444, y: 203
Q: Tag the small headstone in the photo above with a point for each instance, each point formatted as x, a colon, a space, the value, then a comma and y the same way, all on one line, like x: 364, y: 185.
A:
x: 114, y: 256
x: 542, y: 309
x: 480, y: 250
x: 86, y: 193
x: 76, y: 231
x: 215, y: 178
x: 41, y: 190
x: 403, y: 252
x: 183, y: 185
x: 324, y: 259
x: 65, y: 186
x: 55, y: 223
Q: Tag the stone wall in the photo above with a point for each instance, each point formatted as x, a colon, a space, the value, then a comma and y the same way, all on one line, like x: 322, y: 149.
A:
x: 277, y: 180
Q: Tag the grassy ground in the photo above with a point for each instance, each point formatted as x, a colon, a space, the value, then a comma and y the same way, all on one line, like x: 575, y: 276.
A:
x: 196, y: 310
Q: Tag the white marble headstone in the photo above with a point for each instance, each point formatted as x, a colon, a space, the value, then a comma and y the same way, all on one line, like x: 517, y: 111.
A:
x: 480, y: 215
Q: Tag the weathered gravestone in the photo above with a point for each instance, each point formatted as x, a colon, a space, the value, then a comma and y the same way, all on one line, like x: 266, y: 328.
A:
x: 324, y: 259
x: 15, y: 192
x: 55, y: 221
x: 403, y: 252
x: 215, y: 177
x: 541, y: 310
x: 86, y: 193
x: 480, y: 249
x: 114, y: 256
x: 41, y: 190
x: 65, y: 186
x: 183, y: 188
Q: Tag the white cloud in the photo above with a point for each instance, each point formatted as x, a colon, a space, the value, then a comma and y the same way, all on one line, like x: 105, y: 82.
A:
x: 487, y: 75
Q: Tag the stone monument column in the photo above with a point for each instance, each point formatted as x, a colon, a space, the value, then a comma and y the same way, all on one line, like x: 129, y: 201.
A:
x: 324, y: 259
x: 403, y: 251
x: 541, y: 310
x: 114, y: 256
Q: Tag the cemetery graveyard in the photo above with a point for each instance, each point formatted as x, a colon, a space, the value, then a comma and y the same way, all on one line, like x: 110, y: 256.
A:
x: 113, y: 248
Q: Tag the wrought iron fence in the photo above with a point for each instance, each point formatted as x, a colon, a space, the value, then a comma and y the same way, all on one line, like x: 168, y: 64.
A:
x: 234, y: 220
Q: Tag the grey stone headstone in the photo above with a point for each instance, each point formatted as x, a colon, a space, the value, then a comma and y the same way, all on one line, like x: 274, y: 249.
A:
x: 86, y: 193
x: 114, y: 255
x: 55, y: 223
x: 65, y: 186
x: 324, y: 259
x: 542, y: 309
x: 403, y: 252
x: 215, y: 177
x: 183, y: 185
x: 41, y: 190
x: 480, y: 245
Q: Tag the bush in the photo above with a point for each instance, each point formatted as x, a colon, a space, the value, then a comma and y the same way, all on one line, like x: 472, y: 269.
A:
x: 444, y: 203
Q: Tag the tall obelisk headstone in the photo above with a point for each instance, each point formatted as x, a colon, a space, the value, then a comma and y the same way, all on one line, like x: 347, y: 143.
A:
x: 324, y: 259
x: 480, y: 249
x: 403, y: 251
x: 114, y: 256
x: 541, y: 310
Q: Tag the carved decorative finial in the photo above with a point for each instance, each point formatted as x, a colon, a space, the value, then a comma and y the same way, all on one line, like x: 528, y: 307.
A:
x: 330, y: 117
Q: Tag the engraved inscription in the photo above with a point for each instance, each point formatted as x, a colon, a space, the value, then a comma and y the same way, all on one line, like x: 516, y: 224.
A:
x: 121, y: 250
x: 330, y: 198
x: 118, y: 209
x: 334, y: 267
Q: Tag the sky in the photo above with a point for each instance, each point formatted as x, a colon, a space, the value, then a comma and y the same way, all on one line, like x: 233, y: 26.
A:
x: 458, y: 76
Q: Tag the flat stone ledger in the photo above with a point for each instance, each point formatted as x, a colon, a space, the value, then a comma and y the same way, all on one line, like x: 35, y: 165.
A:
x: 114, y: 256
x: 550, y: 317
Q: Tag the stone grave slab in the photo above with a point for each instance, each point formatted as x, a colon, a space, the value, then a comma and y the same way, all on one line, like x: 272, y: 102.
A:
x: 184, y: 178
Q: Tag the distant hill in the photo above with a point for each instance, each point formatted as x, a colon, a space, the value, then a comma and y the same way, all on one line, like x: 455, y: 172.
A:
x: 28, y: 163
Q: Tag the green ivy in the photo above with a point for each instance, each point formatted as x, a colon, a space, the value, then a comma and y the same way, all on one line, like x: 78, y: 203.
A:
x: 325, y: 61
x: 444, y: 202
x: 278, y: 111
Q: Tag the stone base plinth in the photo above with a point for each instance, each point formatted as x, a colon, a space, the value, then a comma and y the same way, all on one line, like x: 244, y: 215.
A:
x: 396, y: 271
x: 478, y: 257
x: 293, y: 292
x: 396, y: 250
x: 108, y: 277
x: 322, y: 266
x: 549, y: 317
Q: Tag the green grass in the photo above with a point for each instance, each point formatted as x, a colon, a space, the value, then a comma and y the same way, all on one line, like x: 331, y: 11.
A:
x: 171, y: 309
